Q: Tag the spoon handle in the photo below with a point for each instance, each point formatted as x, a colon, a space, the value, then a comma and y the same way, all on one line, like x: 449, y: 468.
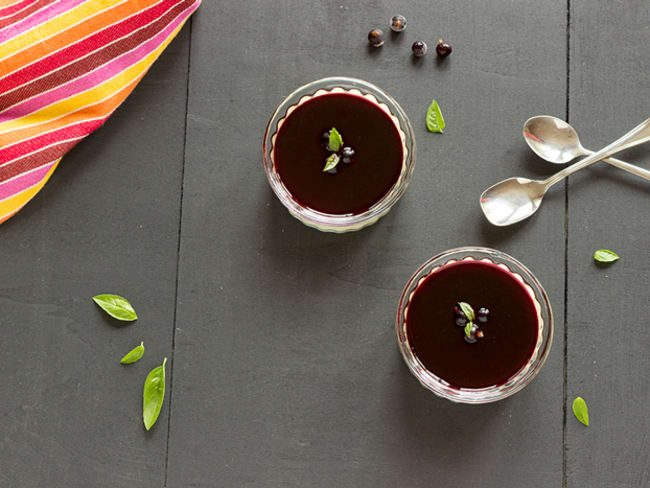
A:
x: 638, y: 135
x: 635, y: 170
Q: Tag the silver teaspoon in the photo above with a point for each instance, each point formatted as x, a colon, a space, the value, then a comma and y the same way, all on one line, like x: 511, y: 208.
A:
x: 516, y: 199
x: 556, y: 141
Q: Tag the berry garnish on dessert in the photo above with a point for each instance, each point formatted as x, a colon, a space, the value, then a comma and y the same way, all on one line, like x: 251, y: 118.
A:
x: 482, y: 315
x: 461, y: 320
x: 339, y: 153
x: 472, y: 332
x: 326, y: 138
x: 347, y: 155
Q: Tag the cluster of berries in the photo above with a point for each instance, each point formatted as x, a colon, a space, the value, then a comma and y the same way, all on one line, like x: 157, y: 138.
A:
x: 346, y: 153
x: 472, y: 330
x: 419, y: 48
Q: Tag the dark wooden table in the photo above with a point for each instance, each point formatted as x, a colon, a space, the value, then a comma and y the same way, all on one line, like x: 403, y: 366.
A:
x: 283, y: 370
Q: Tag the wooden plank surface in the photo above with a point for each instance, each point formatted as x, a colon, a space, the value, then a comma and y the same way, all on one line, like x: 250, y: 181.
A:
x: 608, y: 311
x: 285, y: 369
x: 71, y: 414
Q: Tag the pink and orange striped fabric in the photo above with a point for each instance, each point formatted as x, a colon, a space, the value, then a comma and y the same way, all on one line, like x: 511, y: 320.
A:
x: 65, y: 66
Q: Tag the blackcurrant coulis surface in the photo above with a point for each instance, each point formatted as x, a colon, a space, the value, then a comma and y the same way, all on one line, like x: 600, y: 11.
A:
x: 299, y: 154
x: 510, y: 333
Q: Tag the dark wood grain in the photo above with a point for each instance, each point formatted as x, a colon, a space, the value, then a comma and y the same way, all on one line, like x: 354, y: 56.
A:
x: 71, y: 414
x: 608, y: 309
x: 285, y: 366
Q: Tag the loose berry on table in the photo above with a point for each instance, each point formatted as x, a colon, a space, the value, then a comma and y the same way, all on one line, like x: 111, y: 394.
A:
x: 419, y: 48
x: 443, y: 49
x: 376, y: 37
x: 398, y: 23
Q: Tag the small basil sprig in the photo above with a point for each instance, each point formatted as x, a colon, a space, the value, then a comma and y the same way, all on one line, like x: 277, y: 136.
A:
x: 467, y: 310
x: 153, y: 395
x: 117, y: 307
x: 581, y: 411
x: 468, y: 329
x: 335, y: 141
x: 605, y: 256
x: 435, y: 121
x: 133, y: 355
x: 331, y: 162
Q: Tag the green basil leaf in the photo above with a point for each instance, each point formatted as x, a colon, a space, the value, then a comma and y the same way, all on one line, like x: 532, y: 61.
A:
x: 153, y: 394
x: 468, y: 329
x: 133, y: 355
x: 335, y: 142
x: 467, y: 310
x: 117, y: 307
x: 605, y: 256
x: 331, y: 162
x: 580, y: 410
x: 435, y: 121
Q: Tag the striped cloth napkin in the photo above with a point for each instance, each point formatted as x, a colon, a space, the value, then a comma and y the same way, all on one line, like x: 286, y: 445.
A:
x: 65, y: 66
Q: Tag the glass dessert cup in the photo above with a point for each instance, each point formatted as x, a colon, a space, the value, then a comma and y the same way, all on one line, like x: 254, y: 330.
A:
x: 344, y: 221
x: 525, y: 281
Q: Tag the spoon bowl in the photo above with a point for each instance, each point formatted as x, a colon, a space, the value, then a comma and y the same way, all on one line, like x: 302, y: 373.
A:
x: 516, y: 199
x: 512, y: 200
x: 557, y: 142
x: 552, y: 139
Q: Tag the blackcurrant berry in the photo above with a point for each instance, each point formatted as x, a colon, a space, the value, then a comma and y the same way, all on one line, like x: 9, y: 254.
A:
x: 376, y: 37
x: 473, y: 335
x: 443, y: 49
x: 472, y: 339
x: 419, y: 48
x: 482, y: 315
x: 398, y: 23
x: 347, y: 153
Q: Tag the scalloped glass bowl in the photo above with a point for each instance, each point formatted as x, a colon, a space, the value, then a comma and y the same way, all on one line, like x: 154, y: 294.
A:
x: 340, y: 222
x: 527, y: 372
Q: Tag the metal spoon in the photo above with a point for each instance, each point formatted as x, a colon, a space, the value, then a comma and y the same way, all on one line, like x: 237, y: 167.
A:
x: 556, y: 141
x: 516, y: 199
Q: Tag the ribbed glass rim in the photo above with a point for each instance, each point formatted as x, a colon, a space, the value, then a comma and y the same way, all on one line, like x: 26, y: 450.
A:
x: 344, y: 222
x: 528, y: 371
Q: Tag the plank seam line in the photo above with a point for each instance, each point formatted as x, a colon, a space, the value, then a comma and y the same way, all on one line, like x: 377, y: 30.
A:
x: 565, y: 374
x: 178, y: 255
